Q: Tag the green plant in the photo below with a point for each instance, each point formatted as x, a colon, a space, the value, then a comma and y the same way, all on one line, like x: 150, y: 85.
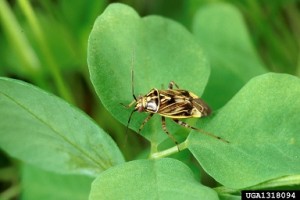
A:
x: 258, y: 113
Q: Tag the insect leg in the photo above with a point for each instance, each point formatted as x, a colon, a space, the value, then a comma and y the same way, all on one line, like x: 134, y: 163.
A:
x: 181, y: 123
x: 128, y: 106
x: 171, y: 84
x: 163, y: 123
x: 145, y: 121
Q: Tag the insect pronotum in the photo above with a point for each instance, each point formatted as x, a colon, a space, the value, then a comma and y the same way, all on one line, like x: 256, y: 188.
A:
x: 171, y: 103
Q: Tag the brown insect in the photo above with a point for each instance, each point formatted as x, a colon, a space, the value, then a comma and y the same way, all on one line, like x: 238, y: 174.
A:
x: 171, y: 103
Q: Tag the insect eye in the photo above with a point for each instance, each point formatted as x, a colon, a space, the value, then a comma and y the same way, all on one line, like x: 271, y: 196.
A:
x: 141, y: 109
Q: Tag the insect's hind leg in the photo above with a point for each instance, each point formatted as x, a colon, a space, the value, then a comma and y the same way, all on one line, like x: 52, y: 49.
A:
x: 181, y: 123
x: 171, y: 85
x: 163, y: 123
x: 144, y: 122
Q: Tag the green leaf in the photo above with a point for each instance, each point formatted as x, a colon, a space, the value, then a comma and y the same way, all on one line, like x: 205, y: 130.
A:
x: 39, y: 184
x: 41, y: 129
x: 229, y: 197
x: 162, y: 51
x: 221, y: 31
x: 262, y: 123
x: 150, y: 179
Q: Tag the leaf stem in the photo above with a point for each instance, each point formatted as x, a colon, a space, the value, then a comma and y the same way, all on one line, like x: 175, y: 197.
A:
x: 282, y: 181
x: 170, y: 151
x: 153, y: 149
x: 278, y: 182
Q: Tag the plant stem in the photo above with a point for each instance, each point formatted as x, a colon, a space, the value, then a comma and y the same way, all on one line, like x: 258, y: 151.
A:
x: 170, y: 151
x: 50, y: 61
x: 19, y: 42
x: 11, y: 193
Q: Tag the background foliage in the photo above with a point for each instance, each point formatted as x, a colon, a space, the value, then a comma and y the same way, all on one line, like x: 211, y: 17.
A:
x: 45, y: 43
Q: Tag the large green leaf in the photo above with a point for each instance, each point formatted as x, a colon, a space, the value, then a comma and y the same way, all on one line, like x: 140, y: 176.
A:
x: 150, y: 179
x: 39, y: 184
x: 162, y: 51
x: 221, y: 31
x: 262, y: 123
x: 45, y: 131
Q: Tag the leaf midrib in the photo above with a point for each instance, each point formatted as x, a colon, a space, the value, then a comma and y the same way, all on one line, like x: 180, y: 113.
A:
x: 53, y: 129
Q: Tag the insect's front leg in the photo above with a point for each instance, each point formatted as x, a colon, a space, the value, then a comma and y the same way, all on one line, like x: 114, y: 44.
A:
x: 171, y: 84
x: 145, y: 121
x: 128, y: 106
x: 181, y: 123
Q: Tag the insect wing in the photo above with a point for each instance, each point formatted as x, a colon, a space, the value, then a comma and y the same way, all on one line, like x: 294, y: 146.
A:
x: 201, y: 106
x: 175, y: 104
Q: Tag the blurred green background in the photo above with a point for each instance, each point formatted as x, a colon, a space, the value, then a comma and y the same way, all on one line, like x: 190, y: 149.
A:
x: 45, y: 43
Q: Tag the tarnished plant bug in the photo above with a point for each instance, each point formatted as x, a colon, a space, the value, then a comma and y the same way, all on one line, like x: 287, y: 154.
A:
x: 171, y: 103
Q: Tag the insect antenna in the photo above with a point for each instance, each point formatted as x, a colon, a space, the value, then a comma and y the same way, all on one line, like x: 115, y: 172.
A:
x: 132, y: 74
x: 132, y: 85
x: 135, y: 99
